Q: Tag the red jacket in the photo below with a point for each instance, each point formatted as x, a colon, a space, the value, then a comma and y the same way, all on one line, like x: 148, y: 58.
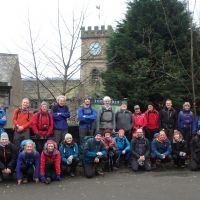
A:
x: 22, y: 118
x: 151, y: 119
x: 54, y: 158
x: 42, y: 123
x: 110, y: 143
x: 138, y: 121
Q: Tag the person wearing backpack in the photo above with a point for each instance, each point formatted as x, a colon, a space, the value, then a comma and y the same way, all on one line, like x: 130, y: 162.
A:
x: 186, y: 122
x: 69, y: 155
x: 168, y: 119
x: 50, y: 163
x: 28, y: 163
x: 42, y: 126
x: 8, y: 156
x: 124, y: 120
x: 140, y: 150
x: 94, y: 156
x: 123, y: 148
x: 105, y: 117
x: 22, y: 118
x: 86, y: 117
x: 111, y: 149
x: 2, y: 119
x: 61, y: 113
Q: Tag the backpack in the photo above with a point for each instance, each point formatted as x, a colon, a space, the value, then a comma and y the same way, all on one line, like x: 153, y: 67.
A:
x: 18, y: 110
x: 83, y: 143
x: 104, y: 110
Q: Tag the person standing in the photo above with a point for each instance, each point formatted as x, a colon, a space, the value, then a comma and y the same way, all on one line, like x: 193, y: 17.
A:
x: 106, y: 116
x: 86, y: 117
x: 60, y: 113
x: 22, y: 119
x: 2, y: 119
x: 186, y: 122
x: 124, y: 120
x: 42, y: 126
x: 168, y: 119
x: 138, y: 119
x: 151, y: 124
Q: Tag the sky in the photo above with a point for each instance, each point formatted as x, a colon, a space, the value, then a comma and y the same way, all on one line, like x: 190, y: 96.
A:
x: 14, y: 35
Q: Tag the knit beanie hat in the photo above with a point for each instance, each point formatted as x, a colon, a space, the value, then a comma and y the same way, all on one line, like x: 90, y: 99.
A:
x: 4, y: 135
x: 68, y: 135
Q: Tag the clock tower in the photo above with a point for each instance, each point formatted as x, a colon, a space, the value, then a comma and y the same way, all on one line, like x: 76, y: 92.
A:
x: 93, y: 61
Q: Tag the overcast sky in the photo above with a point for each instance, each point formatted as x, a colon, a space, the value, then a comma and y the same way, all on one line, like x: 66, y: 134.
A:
x: 43, y: 17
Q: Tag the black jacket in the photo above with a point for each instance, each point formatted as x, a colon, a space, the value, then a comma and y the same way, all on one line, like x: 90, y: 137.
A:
x: 8, y: 157
x: 195, y: 148
x: 168, y: 119
x: 179, y: 146
x: 140, y: 147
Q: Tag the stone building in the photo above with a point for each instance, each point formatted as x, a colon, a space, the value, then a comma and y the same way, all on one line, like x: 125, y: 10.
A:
x: 93, y: 62
x: 93, y: 45
x: 10, y: 84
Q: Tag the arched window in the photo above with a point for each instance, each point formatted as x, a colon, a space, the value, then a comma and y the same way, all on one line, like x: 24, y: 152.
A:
x: 95, y: 75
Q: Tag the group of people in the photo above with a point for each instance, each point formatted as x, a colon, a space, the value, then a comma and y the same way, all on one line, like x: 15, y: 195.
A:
x: 107, y: 139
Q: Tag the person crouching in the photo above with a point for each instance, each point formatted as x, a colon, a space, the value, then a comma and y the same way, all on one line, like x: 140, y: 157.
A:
x: 111, y: 148
x: 94, y: 156
x: 28, y: 163
x: 179, y: 149
x: 8, y: 156
x: 161, y: 149
x: 69, y: 155
x: 50, y: 163
x: 140, y: 149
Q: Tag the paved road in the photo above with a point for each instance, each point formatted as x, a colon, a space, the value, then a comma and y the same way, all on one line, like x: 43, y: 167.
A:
x: 120, y: 185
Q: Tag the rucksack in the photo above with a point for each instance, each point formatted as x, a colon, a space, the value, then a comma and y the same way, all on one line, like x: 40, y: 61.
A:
x: 104, y: 110
x: 83, y: 143
x: 19, y: 111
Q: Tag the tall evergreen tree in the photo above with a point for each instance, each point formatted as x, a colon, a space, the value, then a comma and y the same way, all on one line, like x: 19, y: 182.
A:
x: 148, y: 55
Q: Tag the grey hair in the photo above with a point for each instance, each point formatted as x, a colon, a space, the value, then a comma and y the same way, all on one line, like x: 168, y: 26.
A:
x: 59, y: 97
x: 106, y: 98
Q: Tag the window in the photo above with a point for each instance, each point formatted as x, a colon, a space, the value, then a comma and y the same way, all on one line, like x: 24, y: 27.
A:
x: 95, y: 75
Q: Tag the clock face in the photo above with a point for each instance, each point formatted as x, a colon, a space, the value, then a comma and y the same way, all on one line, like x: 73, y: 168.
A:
x: 95, y: 48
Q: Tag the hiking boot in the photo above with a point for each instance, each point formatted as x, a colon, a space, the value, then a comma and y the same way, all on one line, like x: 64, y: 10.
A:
x: 48, y: 180
x: 100, y: 173
x: 25, y: 181
x: 71, y: 174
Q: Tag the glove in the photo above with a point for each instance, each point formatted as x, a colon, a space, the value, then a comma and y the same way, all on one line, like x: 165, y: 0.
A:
x: 182, y: 153
x: 42, y: 179
x: 58, y: 178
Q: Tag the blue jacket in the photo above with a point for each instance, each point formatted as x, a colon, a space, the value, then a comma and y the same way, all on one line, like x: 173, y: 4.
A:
x: 122, y: 144
x: 60, y: 115
x: 196, y: 125
x: 67, y: 150
x: 25, y: 159
x: 159, y: 148
x: 91, y: 148
x: 2, y: 121
x: 186, y: 119
x: 86, y: 117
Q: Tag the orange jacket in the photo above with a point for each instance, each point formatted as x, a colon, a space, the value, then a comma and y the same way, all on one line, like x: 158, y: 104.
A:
x: 22, y: 118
